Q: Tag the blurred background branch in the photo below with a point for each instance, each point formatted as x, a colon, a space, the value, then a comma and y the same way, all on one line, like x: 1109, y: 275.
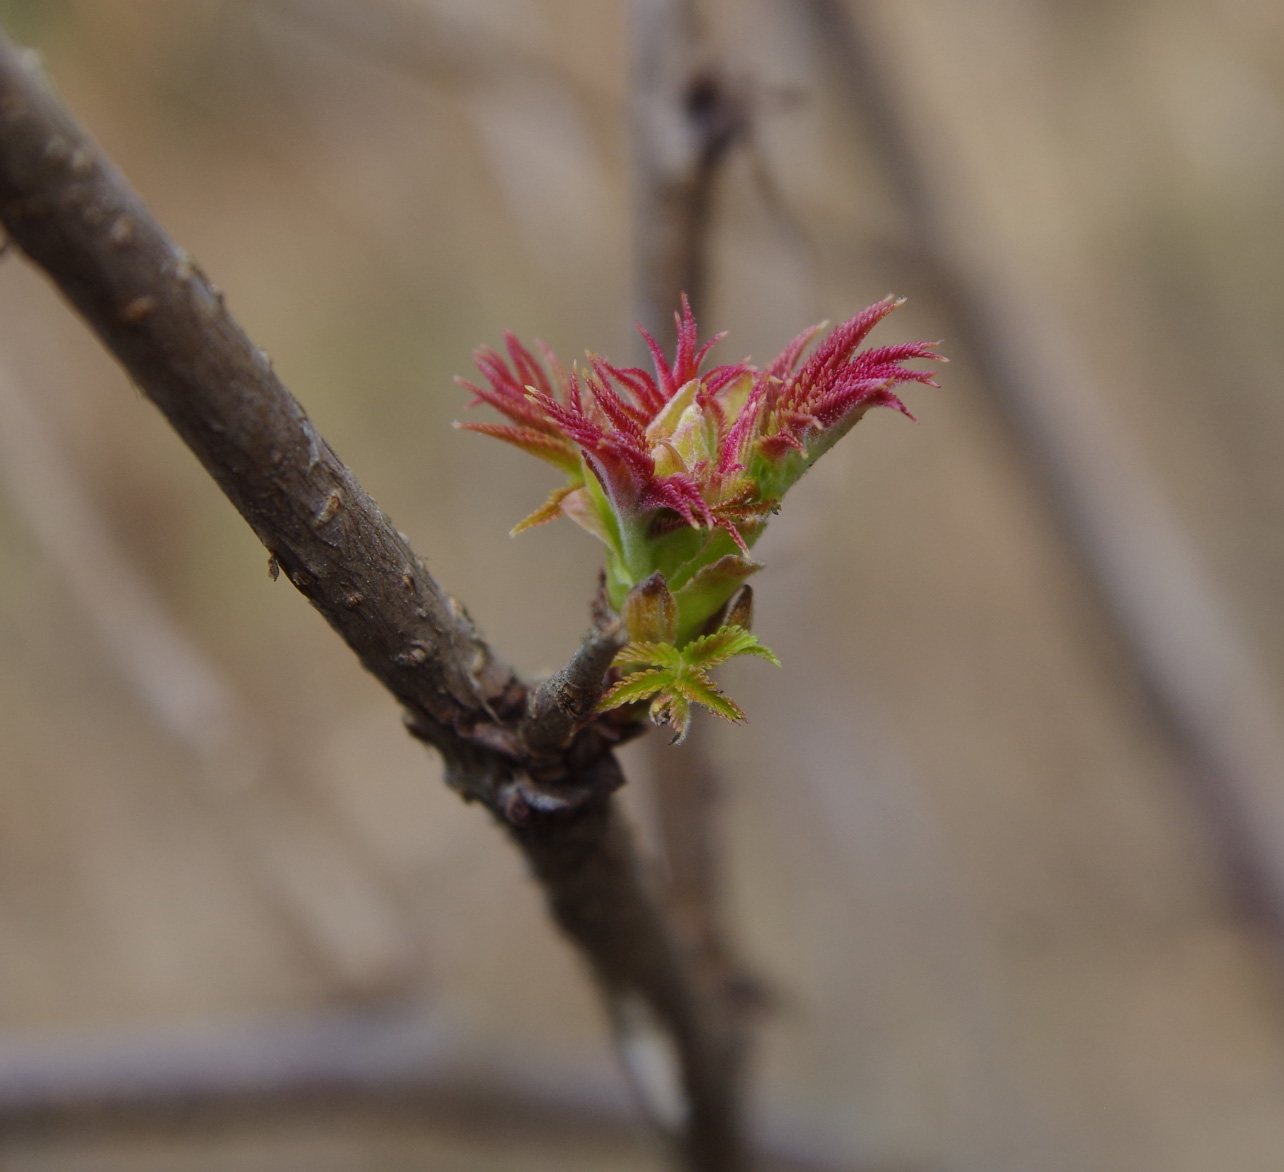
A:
x: 1205, y: 687
x: 395, y: 1062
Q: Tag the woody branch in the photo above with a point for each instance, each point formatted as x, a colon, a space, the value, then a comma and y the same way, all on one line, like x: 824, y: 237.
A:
x: 73, y: 215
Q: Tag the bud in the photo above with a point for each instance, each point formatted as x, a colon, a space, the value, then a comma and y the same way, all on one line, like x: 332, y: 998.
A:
x: 677, y: 471
x: 651, y: 612
x: 740, y: 609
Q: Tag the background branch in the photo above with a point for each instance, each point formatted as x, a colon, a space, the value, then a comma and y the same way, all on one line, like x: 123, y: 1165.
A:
x: 687, y: 115
x: 1206, y: 690
x: 427, y: 43
x: 397, y: 1061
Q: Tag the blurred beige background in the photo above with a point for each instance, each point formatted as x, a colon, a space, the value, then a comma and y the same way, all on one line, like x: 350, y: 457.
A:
x: 1003, y: 933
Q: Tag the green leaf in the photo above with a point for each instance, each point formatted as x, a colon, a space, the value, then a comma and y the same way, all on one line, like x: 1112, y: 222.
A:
x: 663, y: 654
x: 762, y: 651
x: 678, y: 677
x: 723, y: 644
x: 641, y: 685
x: 702, y: 690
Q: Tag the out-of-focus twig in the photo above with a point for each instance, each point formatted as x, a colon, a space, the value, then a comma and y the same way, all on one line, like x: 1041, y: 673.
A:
x: 687, y: 114
x: 532, y: 113
x: 347, y: 926
x: 688, y: 800
x: 428, y: 44
x: 1206, y: 689
x: 399, y: 1059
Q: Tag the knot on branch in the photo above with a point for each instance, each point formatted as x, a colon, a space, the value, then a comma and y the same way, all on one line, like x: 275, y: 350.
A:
x: 562, y: 705
x: 524, y: 799
x: 545, y: 752
x: 568, y: 746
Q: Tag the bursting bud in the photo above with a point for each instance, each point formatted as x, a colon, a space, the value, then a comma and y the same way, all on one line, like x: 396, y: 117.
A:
x: 677, y: 472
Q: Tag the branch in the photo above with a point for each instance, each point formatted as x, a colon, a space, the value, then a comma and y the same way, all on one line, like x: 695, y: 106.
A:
x: 69, y: 210
x: 73, y: 214
x: 427, y: 43
x: 563, y: 704
x: 402, y: 1060
x: 1207, y: 691
x: 686, y: 116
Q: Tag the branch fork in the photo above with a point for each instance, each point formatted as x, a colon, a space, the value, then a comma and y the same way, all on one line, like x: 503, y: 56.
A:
x: 538, y: 759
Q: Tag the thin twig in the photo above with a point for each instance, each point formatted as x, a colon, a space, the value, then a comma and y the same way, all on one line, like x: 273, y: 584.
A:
x: 431, y: 45
x: 531, y: 114
x: 398, y: 1060
x: 65, y: 205
x: 686, y: 117
x: 688, y: 803
x: 687, y: 114
x: 1206, y: 689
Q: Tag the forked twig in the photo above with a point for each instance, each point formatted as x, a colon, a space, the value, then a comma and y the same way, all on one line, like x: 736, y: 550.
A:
x: 69, y: 210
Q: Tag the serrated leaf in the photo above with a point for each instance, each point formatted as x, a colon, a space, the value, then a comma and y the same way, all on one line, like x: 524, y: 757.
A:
x: 663, y: 654
x: 557, y: 451
x: 550, y: 510
x: 641, y: 685
x: 762, y: 651
x: 723, y: 644
x: 697, y: 687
